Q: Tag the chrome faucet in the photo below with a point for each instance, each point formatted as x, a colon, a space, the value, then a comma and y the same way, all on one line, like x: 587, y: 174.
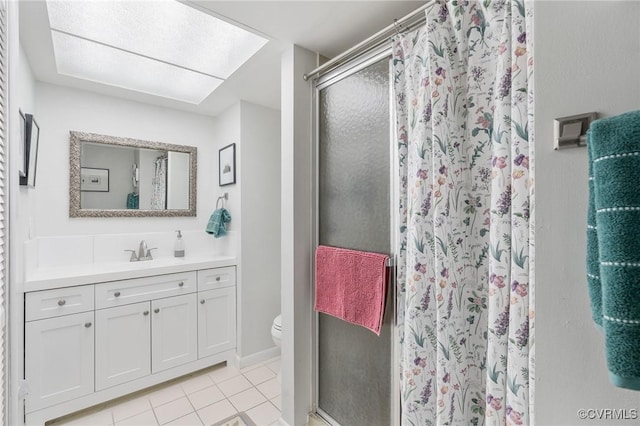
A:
x: 144, y: 253
x: 133, y: 257
x: 142, y: 250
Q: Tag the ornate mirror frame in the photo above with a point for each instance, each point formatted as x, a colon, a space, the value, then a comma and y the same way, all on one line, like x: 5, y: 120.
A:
x: 74, y: 176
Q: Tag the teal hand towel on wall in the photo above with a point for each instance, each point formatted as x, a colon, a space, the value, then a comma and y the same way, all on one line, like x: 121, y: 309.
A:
x: 217, y: 223
x: 133, y: 200
x: 613, y: 242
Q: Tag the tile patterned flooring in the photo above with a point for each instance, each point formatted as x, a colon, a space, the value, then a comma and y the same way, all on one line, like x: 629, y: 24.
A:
x: 201, y: 398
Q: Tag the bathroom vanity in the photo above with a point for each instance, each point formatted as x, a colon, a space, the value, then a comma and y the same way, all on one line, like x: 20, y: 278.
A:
x: 100, y: 331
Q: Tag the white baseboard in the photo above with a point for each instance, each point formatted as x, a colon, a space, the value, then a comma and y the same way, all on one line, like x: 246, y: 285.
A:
x: 317, y: 420
x: 261, y: 356
x: 281, y: 422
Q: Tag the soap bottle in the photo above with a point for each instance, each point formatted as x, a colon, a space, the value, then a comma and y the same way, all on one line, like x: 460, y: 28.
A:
x: 178, y: 250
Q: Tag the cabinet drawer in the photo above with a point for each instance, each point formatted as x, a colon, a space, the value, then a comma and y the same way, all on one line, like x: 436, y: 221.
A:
x: 58, y: 302
x: 209, y: 279
x: 118, y: 293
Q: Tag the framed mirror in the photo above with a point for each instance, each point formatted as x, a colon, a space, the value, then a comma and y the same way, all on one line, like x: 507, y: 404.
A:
x: 111, y: 176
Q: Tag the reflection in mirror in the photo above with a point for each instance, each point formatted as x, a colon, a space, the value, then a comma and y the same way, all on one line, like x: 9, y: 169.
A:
x: 113, y: 177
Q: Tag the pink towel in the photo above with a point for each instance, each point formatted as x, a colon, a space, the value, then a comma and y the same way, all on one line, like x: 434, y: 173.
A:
x: 351, y: 285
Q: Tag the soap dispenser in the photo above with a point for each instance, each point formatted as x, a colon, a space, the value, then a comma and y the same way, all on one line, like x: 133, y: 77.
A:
x: 179, y: 246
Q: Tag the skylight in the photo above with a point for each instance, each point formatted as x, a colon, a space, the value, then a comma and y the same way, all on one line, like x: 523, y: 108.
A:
x: 161, y: 47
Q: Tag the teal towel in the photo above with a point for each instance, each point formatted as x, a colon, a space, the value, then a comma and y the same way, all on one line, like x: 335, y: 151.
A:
x: 613, y: 242
x: 217, y: 223
x: 133, y: 200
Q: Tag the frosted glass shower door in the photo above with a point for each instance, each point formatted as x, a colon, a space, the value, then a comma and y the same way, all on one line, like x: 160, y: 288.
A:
x: 354, y: 365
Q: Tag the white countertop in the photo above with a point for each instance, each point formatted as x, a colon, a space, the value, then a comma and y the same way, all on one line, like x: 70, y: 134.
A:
x: 68, y: 276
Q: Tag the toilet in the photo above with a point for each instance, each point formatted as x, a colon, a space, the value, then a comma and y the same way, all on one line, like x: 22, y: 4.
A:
x: 276, y: 330
x: 276, y: 334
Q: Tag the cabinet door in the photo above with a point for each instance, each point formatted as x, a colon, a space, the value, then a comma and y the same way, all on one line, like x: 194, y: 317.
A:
x: 123, y: 344
x: 58, y: 359
x: 216, y: 321
x: 173, y: 331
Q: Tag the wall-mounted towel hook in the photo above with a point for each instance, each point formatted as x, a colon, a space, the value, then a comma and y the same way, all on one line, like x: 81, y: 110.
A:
x: 572, y: 131
x: 225, y: 196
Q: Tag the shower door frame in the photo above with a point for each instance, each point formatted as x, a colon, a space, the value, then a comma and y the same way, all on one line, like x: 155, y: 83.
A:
x: 376, y: 54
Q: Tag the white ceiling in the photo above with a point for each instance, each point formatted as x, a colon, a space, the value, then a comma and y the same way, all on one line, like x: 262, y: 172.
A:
x: 326, y: 27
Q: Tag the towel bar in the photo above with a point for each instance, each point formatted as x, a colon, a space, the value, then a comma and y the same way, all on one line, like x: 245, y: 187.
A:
x: 225, y: 196
x: 391, y: 262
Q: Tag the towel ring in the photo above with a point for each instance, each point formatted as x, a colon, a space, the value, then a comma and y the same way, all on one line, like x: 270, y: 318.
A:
x: 220, y: 198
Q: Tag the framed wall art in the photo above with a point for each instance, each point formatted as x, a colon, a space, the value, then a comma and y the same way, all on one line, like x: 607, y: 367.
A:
x: 227, y: 165
x: 30, y: 134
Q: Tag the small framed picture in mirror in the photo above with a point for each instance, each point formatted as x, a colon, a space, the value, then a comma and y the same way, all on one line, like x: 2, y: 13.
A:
x: 227, y: 165
x: 94, y: 180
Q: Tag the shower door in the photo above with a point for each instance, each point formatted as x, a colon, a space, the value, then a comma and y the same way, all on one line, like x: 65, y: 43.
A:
x: 354, y: 373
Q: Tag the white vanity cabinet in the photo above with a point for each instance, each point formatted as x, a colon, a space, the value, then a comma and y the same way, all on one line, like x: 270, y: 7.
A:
x: 90, y: 343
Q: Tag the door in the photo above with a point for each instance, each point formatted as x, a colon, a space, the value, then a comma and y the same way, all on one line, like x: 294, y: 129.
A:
x: 216, y: 321
x: 58, y: 359
x: 174, y: 331
x: 123, y: 344
x: 354, y: 383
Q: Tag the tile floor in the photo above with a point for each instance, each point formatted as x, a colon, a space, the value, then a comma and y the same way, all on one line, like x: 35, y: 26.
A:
x: 201, y: 398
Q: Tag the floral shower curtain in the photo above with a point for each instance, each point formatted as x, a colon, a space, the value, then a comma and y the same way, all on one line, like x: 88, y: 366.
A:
x: 464, y: 99
x: 159, y: 183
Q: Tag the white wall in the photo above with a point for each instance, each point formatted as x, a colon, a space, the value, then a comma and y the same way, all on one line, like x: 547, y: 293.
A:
x: 227, y: 131
x: 259, y: 174
x: 254, y: 205
x: 297, y: 234
x: 61, y: 109
x: 587, y: 58
x: 21, y: 97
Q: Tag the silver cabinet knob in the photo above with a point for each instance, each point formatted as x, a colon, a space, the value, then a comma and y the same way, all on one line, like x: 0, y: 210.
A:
x: 181, y: 284
x: 116, y: 294
x: 217, y: 278
x: 202, y: 302
x: 87, y: 324
x: 61, y: 302
x: 145, y: 313
x: 156, y: 310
